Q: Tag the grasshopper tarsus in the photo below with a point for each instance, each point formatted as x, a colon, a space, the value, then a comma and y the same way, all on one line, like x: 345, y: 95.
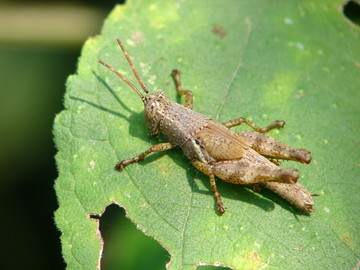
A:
x: 120, y: 165
x: 175, y: 72
x: 221, y: 209
x: 277, y: 123
x: 214, y: 149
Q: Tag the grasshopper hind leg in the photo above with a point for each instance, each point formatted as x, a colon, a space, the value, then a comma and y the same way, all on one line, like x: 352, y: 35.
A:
x: 271, y: 148
x: 266, y: 145
x: 245, y: 172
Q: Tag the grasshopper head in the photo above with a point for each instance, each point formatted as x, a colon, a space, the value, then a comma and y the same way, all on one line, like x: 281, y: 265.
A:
x: 155, y: 106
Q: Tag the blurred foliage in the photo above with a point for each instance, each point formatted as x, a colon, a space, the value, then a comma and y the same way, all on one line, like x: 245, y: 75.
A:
x: 31, y: 93
x: 33, y: 75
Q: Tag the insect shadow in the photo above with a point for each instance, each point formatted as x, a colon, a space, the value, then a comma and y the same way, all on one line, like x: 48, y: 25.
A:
x: 136, y: 118
x: 281, y: 202
x: 241, y: 193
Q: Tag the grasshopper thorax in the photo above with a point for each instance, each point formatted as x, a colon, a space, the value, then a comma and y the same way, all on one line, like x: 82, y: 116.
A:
x: 155, y: 108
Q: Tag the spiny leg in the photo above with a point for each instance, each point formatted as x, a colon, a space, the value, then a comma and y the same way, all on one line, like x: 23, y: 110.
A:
x: 153, y: 149
x: 272, y: 148
x: 239, y: 121
x: 206, y: 169
x: 244, y: 171
x: 188, y: 94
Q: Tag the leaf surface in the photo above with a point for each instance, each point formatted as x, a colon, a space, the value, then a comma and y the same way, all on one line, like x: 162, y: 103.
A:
x: 297, y: 61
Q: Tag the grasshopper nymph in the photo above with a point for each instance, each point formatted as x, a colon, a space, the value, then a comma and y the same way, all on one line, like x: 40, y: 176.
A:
x: 214, y: 149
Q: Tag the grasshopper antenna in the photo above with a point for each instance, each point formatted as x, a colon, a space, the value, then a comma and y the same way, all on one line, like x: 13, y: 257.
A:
x: 133, y: 69
x: 124, y: 79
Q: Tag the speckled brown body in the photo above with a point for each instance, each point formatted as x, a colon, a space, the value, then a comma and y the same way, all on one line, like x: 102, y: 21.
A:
x: 214, y: 149
x: 175, y: 121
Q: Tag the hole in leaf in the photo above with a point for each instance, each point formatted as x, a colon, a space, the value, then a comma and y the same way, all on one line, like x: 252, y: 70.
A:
x: 352, y: 11
x: 210, y: 267
x: 126, y: 247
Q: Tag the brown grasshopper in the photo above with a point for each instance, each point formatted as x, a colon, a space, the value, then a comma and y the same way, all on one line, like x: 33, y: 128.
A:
x: 214, y: 149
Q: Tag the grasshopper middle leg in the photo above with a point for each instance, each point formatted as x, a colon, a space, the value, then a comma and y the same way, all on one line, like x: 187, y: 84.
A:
x: 206, y: 169
x: 153, y: 149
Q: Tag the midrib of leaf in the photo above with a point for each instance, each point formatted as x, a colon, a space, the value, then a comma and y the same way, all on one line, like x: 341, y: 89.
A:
x: 249, y: 30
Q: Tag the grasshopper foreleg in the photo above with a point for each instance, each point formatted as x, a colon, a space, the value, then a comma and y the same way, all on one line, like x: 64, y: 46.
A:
x: 239, y: 121
x: 188, y: 94
x: 153, y: 149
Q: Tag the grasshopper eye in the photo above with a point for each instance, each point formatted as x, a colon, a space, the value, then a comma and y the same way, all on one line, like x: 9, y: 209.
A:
x: 150, y: 110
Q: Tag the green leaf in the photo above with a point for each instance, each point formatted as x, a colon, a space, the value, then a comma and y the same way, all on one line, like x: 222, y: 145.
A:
x: 297, y: 61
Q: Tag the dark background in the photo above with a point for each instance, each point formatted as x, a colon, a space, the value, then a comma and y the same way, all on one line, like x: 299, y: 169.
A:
x: 40, y: 42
